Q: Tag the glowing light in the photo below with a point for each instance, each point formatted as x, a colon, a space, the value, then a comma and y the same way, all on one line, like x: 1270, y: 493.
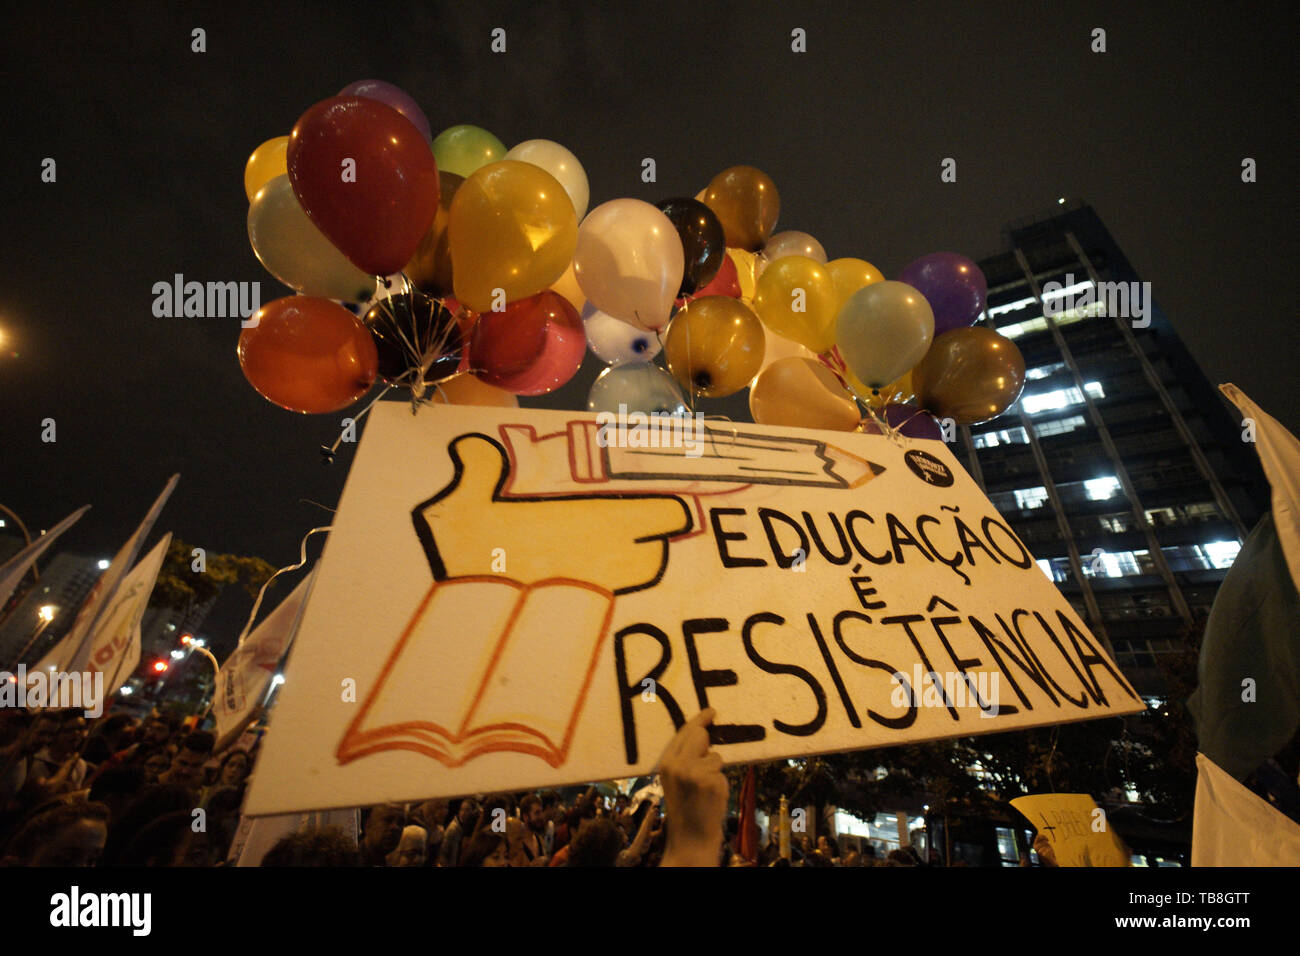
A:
x: 103, y: 564
x: 159, y: 666
x: 46, y: 612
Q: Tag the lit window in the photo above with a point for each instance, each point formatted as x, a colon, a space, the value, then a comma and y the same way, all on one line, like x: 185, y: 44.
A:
x: 1030, y: 497
x: 1008, y: 436
x: 1043, y: 371
x: 1060, y: 426
x: 1023, y: 328
x: 1221, y: 554
x: 1046, y: 567
x: 1099, y: 489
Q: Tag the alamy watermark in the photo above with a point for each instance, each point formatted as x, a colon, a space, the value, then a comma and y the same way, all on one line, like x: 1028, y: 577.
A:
x: 207, y: 300
x: 626, y: 429
x: 957, y: 689
x: 80, y: 690
x: 1121, y: 300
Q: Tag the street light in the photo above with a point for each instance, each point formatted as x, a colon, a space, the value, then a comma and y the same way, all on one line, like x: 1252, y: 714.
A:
x: 44, y: 614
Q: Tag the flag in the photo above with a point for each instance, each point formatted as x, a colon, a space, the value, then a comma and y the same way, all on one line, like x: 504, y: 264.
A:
x: 73, y: 652
x: 747, y: 833
x: 12, y: 571
x: 1233, y: 827
x: 115, y: 647
x: 1247, y: 704
x: 243, y: 679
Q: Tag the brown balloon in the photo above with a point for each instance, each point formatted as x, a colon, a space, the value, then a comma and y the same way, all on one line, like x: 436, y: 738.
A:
x: 430, y: 267
x: 970, y: 375
x: 747, y: 204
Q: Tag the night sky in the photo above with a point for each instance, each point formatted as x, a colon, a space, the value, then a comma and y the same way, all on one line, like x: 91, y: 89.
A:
x: 151, y: 139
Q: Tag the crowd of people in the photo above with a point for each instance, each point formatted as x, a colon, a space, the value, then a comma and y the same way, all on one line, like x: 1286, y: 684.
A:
x: 125, y: 792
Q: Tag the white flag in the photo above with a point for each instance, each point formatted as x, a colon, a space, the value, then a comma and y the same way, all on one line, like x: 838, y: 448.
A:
x: 72, y: 653
x: 1279, y: 453
x: 1233, y: 827
x: 115, y: 645
x: 243, y: 679
x: 12, y: 571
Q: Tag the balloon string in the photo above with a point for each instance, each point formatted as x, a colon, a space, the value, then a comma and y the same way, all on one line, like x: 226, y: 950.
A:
x: 329, y: 452
x: 302, y: 560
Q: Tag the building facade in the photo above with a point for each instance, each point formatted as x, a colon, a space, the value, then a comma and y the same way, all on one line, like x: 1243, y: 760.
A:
x: 1121, y: 466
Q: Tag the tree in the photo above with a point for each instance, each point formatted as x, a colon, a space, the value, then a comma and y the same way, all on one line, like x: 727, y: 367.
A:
x: 181, y: 587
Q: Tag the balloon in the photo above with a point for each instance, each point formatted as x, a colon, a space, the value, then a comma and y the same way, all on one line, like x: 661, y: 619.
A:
x: 308, y: 354
x: 804, y: 393
x: 293, y: 250
x: 629, y: 261
x: 952, y: 284
x: 726, y: 282
x: 465, y: 149
x: 414, y: 332
x: 793, y: 243
x: 748, y: 269
x: 567, y: 286
x: 850, y: 275
x: 390, y: 95
x: 703, y: 243
x: 615, y: 342
x: 747, y: 204
x: 561, y: 164
x: 532, y: 347
x: 430, y: 267
x: 641, y: 387
x: 511, y: 227
x: 777, y: 347
x: 970, y: 375
x: 795, y: 297
x: 896, y: 392
x: 714, y: 346
x: 470, y: 390
x: 883, y: 330
x: 377, y: 219
x: 265, y: 163
x: 906, y: 419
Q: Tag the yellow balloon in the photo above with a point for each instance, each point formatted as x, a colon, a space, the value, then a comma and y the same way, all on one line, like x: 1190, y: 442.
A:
x: 850, y: 275
x: 265, y: 164
x: 511, y: 227
x: 747, y: 269
x: 804, y: 393
x: 714, y: 346
x: 567, y: 286
x: 467, y: 389
x: 796, y: 298
x: 897, y: 392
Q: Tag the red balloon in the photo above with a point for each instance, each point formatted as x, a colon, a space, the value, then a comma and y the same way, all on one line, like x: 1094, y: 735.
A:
x: 726, y: 282
x: 377, y: 207
x: 531, y: 348
x: 308, y: 354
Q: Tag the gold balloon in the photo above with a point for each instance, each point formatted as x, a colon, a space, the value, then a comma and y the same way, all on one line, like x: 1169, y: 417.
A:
x: 795, y: 298
x: 714, y: 346
x: 747, y: 267
x: 266, y: 162
x: 897, y: 392
x: 970, y: 375
x: 850, y: 275
x: 746, y: 202
x: 467, y: 389
x: 511, y: 227
x: 804, y: 393
x: 430, y: 267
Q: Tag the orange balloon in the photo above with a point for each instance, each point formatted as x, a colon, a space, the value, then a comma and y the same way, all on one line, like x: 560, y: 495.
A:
x: 804, y: 393
x: 308, y: 355
x: 747, y: 204
x: 471, y: 390
x: 714, y: 346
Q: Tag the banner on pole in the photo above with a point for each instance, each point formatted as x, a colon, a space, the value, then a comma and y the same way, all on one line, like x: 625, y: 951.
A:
x: 513, y: 598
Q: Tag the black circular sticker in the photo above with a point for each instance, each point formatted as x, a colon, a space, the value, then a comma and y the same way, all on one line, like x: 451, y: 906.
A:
x: 928, y: 468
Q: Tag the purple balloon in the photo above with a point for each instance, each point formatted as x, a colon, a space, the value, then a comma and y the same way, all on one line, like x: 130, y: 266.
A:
x: 953, y: 285
x: 390, y: 95
x: 908, y: 419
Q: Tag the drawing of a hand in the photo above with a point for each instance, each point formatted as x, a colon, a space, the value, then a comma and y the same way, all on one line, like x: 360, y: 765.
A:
x: 617, y: 542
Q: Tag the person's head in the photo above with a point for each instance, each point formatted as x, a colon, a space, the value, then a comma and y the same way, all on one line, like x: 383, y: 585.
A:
x: 68, y: 738
x: 382, y: 829
x: 234, y: 768
x: 187, y: 766
x: 116, y: 729
x: 468, y: 812
x: 431, y: 814
x: 69, y: 834
x: 597, y: 843
x: 116, y: 787
x: 155, y: 764
x: 412, y: 848
x: 44, y: 729
x: 531, y: 813
x: 326, y: 846
x: 170, y: 840
x: 487, y: 847
x: 157, y: 731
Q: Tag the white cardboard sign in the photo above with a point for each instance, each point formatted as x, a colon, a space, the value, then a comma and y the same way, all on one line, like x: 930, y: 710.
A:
x: 517, y: 598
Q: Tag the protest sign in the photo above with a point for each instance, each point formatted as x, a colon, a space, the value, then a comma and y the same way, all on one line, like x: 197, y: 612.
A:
x: 514, y: 598
x: 1075, y: 827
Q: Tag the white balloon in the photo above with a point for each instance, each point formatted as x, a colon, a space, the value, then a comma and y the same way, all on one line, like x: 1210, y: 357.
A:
x: 629, y: 261
x: 561, y: 164
x: 616, y: 342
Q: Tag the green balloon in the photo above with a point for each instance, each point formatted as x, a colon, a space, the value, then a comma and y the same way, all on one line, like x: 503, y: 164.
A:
x: 883, y: 330
x: 463, y: 149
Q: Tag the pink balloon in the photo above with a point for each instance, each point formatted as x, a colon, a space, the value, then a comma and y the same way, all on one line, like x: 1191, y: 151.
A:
x: 532, y: 347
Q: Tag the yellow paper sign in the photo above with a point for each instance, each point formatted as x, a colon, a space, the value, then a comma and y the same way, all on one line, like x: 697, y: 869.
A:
x: 1075, y: 827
